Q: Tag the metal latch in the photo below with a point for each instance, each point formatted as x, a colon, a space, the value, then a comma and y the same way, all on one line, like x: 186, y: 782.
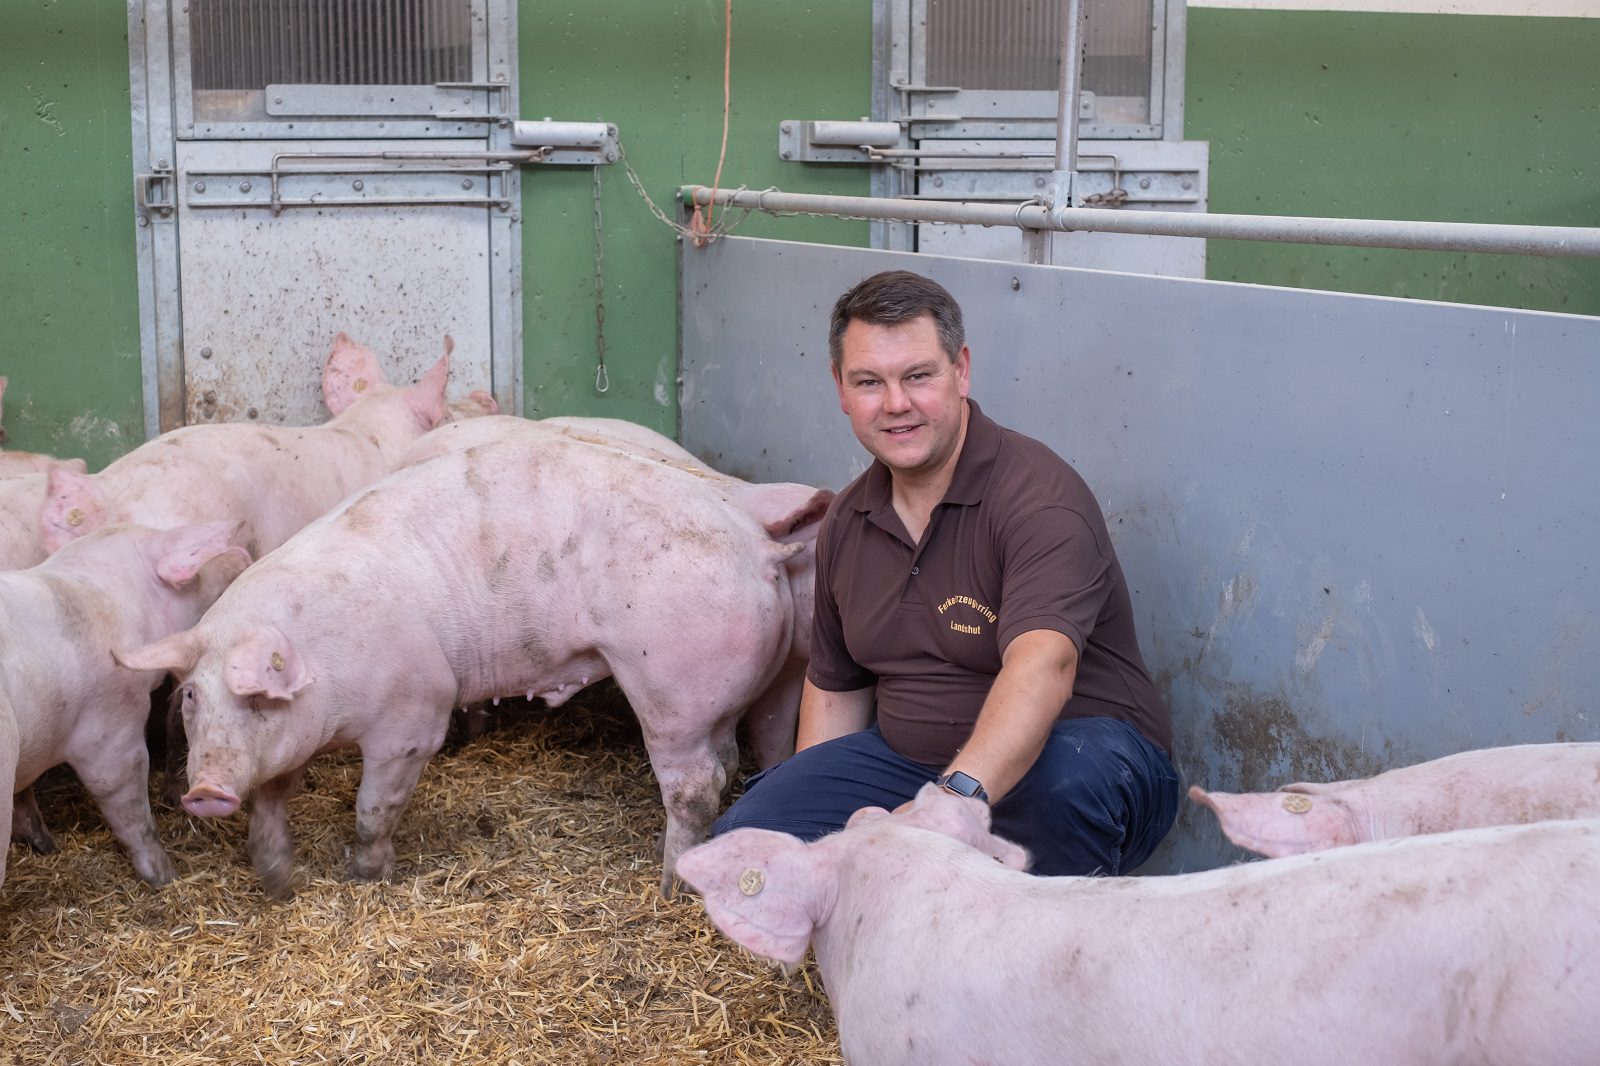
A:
x: 835, y: 142
x: 572, y: 143
x: 153, y: 193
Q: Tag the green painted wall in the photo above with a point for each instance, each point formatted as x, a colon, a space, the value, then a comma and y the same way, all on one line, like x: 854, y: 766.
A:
x: 1435, y: 117
x: 68, y: 290
x: 654, y: 68
x: 1398, y: 116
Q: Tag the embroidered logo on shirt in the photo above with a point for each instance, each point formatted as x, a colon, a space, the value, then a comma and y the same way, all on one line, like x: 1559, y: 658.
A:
x: 969, y: 602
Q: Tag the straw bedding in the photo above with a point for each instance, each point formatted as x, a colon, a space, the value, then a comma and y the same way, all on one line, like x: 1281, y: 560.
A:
x: 524, y: 925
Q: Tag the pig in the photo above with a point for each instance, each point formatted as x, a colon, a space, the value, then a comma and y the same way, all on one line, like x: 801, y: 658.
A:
x: 1476, y: 946
x: 1490, y: 786
x: 529, y: 564
x: 13, y: 464
x: 62, y: 696
x: 20, y: 500
x: 771, y: 719
x: 273, y: 478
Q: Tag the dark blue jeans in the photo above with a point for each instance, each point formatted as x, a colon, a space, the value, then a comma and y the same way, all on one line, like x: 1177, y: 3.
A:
x: 1097, y: 801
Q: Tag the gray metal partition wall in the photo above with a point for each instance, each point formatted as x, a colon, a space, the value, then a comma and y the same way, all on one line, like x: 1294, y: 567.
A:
x: 1360, y: 531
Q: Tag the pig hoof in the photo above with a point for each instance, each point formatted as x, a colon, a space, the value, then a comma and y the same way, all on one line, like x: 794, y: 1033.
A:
x: 366, y: 868
x: 277, y: 879
x: 159, y: 873
x: 39, y: 839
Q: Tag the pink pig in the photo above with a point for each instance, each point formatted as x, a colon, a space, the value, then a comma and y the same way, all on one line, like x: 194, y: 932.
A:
x: 770, y: 721
x: 20, y: 500
x: 1491, y: 786
x: 274, y: 478
x: 62, y: 696
x: 528, y: 564
x: 1478, y: 946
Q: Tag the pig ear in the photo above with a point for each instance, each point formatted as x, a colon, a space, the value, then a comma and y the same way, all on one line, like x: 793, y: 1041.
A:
x: 176, y: 654
x: 72, y: 507
x: 265, y: 664
x: 1276, y: 824
x: 479, y: 402
x: 426, y: 397
x: 181, y: 552
x: 962, y: 819
x: 349, y: 374
x: 783, y: 509
x: 765, y: 890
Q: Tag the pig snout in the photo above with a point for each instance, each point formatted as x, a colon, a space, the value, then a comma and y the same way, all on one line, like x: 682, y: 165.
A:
x: 207, y: 800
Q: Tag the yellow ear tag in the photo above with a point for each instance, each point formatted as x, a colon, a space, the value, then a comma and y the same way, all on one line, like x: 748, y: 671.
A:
x: 1295, y: 803
x: 751, y: 882
x: 74, y: 518
x: 277, y: 661
x: 359, y: 386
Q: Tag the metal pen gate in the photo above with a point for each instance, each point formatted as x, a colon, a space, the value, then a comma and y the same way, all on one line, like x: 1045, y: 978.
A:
x: 310, y: 166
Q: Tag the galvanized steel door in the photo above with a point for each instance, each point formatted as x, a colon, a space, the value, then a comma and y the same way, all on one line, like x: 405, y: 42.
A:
x: 975, y: 83
x: 310, y: 166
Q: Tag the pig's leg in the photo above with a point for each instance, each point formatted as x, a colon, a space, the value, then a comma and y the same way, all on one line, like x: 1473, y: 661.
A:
x: 27, y: 823
x: 116, y: 771
x: 271, y: 845
x: 9, y: 747
x: 771, y: 720
x: 389, y: 775
x: 691, y: 777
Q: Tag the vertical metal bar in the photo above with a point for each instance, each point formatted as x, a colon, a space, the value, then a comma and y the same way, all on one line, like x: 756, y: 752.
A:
x: 1071, y: 86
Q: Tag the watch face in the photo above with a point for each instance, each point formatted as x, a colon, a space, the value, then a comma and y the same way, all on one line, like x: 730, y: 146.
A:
x: 962, y: 784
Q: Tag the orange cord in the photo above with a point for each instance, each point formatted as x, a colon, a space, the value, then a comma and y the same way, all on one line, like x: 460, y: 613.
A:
x: 701, y: 225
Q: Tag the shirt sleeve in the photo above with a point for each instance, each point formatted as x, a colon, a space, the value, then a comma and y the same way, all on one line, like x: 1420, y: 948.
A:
x: 1055, y: 575
x: 831, y: 666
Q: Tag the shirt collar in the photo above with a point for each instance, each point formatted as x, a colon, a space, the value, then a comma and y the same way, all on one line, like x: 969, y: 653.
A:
x: 973, y: 467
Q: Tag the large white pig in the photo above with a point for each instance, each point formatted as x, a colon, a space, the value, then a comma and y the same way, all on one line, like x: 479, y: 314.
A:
x: 20, y: 500
x: 1481, y: 946
x: 63, y: 698
x: 771, y: 718
x: 531, y: 564
x: 1489, y: 786
x: 274, y: 478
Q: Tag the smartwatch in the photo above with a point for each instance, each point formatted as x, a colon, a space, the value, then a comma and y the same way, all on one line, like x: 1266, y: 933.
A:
x: 962, y: 785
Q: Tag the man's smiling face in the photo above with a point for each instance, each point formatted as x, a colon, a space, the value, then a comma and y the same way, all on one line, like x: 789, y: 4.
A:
x: 905, y: 397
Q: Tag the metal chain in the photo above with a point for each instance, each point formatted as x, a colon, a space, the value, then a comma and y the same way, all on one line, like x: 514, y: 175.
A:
x: 602, y: 380
x: 722, y: 227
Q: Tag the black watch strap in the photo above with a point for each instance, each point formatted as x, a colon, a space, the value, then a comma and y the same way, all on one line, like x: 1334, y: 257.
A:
x: 962, y: 785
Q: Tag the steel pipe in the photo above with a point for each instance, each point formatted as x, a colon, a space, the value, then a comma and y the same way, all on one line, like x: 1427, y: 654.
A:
x: 1568, y: 241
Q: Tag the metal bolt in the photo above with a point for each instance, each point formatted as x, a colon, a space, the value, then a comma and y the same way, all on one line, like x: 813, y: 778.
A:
x: 611, y: 157
x: 938, y: 181
x: 143, y: 220
x: 161, y: 164
x: 382, y: 124
x: 1038, y: 183
x: 1016, y: 283
x: 199, y: 186
x: 244, y: 186
x: 251, y: 413
x: 1144, y: 183
x: 277, y: 99
x: 784, y: 154
x: 205, y: 353
x: 358, y: 185
x: 1187, y: 184
x: 787, y: 127
x: 466, y: 183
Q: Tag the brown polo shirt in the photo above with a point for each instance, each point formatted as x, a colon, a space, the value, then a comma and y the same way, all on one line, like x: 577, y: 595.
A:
x: 1018, y: 543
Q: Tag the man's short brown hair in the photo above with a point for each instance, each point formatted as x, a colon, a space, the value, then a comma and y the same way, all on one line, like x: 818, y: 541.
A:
x: 892, y: 297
